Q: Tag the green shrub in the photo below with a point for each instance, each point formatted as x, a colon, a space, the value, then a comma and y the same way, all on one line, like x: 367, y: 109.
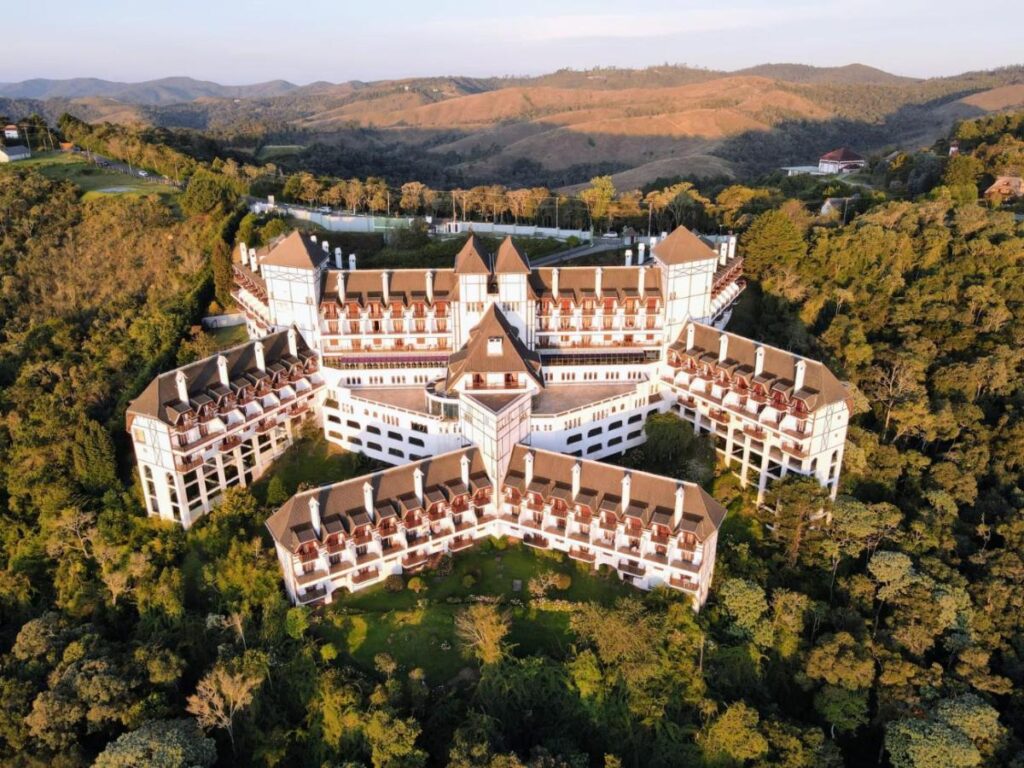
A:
x: 445, y: 565
x: 416, y: 584
x: 499, y: 544
x: 394, y: 583
x: 468, y: 581
x: 562, y: 581
x: 328, y: 652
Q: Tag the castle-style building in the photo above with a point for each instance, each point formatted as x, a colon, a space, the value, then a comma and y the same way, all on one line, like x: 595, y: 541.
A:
x: 494, y: 388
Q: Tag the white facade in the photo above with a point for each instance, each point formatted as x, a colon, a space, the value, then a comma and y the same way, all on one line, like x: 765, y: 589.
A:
x: 494, y: 358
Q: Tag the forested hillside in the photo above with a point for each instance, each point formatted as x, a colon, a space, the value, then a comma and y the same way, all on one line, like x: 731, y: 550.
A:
x: 889, y: 633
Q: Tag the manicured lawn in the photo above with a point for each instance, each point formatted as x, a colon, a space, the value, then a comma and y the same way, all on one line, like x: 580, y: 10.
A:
x: 419, y: 630
x: 230, y: 336
x: 270, y: 151
x: 312, y: 461
x: 89, y: 178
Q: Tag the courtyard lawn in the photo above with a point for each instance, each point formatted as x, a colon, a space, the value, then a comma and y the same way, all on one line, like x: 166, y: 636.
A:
x: 418, y: 630
x: 311, y: 462
x: 230, y: 336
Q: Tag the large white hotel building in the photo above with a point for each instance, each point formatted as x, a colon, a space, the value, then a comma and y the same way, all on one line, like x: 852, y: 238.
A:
x: 494, y: 388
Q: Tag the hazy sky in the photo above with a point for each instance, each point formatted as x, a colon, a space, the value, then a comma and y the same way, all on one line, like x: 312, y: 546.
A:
x: 244, y: 42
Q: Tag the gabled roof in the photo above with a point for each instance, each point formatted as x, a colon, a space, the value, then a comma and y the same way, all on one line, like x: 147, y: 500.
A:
x: 295, y: 251
x: 474, y: 358
x: 160, y: 399
x: 472, y: 259
x: 344, y: 502
x: 682, y: 247
x: 510, y: 260
x: 651, y: 497
x: 841, y: 155
x: 820, y: 386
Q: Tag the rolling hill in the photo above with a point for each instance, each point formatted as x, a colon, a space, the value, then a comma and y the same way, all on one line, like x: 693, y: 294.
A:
x: 555, y: 129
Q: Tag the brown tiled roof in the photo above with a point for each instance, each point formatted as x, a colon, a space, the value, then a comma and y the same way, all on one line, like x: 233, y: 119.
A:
x: 1007, y: 185
x: 510, y: 259
x: 841, y: 155
x: 391, y: 487
x: 160, y: 399
x: 820, y: 387
x: 515, y: 356
x: 651, y: 496
x: 579, y: 282
x: 294, y: 250
x: 472, y: 259
x: 405, y: 285
x: 682, y: 247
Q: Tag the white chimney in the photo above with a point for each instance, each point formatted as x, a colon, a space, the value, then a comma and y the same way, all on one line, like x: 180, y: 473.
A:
x: 629, y: 257
x: 723, y: 347
x: 430, y: 287
x: 691, y: 333
x: 327, y: 247
x: 417, y: 479
x: 368, y: 498
x: 528, y: 468
x: 598, y: 273
x: 261, y: 360
x: 577, y: 471
x: 293, y: 342
x: 352, y: 261
x: 554, y: 282
x: 313, y: 238
x: 385, y: 285
x: 732, y: 246
x: 243, y: 253
x: 677, y: 516
x: 182, y: 383
x: 641, y: 281
x: 314, y: 515
x: 222, y: 370
x: 464, y: 464
x: 341, y: 288
x: 254, y: 263
x: 798, y: 377
x: 664, y: 235
x: 759, y: 361
x: 641, y: 253
x: 339, y: 259
x: 626, y: 483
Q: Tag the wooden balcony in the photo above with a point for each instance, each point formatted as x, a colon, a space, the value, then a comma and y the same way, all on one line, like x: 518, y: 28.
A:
x: 680, y: 582
x: 685, y: 565
x: 654, y: 557
x: 581, y: 537
x: 229, y: 443
x: 533, y: 540
x: 265, y: 426
x: 582, y: 555
x: 757, y: 433
x: 313, y: 595
x: 415, y: 559
x: 188, y: 464
x: 460, y: 543
x: 343, y: 566
x: 632, y: 569
x: 794, y: 450
x: 363, y: 576
x: 369, y: 557
x: 720, y: 416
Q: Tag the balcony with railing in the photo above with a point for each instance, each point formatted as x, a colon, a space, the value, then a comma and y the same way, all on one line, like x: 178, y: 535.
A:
x: 535, y: 540
x: 313, y: 595
x: 583, y: 555
x: 365, y: 575
x: 415, y: 559
x: 683, y: 583
x: 632, y: 569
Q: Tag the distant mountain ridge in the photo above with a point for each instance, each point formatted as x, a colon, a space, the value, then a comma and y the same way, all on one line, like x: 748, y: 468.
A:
x: 166, y: 90
x: 178, y: 90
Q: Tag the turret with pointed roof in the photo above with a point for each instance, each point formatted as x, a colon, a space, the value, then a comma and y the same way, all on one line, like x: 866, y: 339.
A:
x: 294, y: 251
x: 510, y: 259
x: 682, y: 247
x: 472, y: 259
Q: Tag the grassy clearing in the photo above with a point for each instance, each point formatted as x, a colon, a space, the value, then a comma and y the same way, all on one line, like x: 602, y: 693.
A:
x: 231, y: 336
x: 271, y: 151
x: 93, y: 181
x: 310, y: 462
x: 419, y: 630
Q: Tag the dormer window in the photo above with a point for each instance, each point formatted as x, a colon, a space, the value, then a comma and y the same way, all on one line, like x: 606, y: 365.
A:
x: 494, y: 346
